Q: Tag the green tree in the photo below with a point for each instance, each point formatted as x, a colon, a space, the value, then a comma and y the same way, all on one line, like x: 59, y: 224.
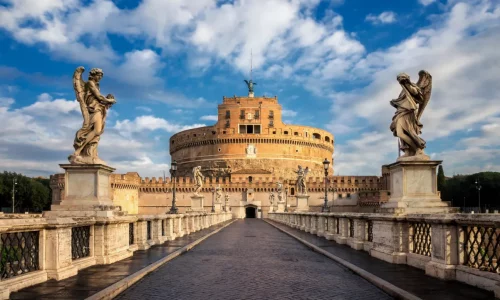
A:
x: 441, y: 180
x: 30, y: 194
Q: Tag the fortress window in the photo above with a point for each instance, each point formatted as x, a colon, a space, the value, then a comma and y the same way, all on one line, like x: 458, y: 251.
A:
x: 249, y: 129
x: 194, y: 135
x: 271, y: 114
x: 274, y: 132
x: 242, y: 114
x: 228, y: 114
x: 348, y: 195
x: 285, y: 132
x: 292, y: 191
x: 213, y: 132
x: 296, y: 133
x: 340, y: 196
x: 227, y: 124
x: 271, y: 124
x: 316, y: 136
x: 256, y: 115
x: 172, y: 142
x: 219, y: 149
x: 327, y: 139
x: 306, y: 133
x: 250, y: 178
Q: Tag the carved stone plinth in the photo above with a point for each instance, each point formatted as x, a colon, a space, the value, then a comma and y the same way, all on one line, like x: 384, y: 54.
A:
x: 414, y: 188
x: 218, y: 207
x: 197, y: 203
x: 302, y: 203
x: 281, y: 207
x: 87, y: 193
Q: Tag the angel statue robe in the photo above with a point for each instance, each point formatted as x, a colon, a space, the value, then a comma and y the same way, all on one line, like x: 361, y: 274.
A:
x: 405, y: 124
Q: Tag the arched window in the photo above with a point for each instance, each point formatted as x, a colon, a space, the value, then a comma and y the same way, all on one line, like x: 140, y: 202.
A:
x: 316, y: 136
x: 327, y: 139
x: 250, y: 178
x: 285, y: 132
x: 292, y: 191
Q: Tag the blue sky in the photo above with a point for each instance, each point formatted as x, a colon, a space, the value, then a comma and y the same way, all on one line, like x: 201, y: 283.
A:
x: 333, y: 64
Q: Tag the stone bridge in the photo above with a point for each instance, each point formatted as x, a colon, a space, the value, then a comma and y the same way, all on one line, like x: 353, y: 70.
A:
x: 288, y: 256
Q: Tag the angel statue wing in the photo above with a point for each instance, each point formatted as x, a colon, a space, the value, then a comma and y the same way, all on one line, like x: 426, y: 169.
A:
x: 79, y: 87
x: 425, y: 85
x: 246, y: 81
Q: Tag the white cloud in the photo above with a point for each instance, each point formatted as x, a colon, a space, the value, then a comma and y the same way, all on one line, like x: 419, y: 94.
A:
x: 32, y: 143
x: 288, y: 113
x: 150, y: 123
x: 210, y: 118
x: 426, y: 2
x: 386, y: 17
x: 6, y: 102
x: 144, y: 108
x: 464, y: 76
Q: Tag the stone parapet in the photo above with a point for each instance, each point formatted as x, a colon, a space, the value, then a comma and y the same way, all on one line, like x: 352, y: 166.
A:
x: 462, y: 247
x: 64, y: 245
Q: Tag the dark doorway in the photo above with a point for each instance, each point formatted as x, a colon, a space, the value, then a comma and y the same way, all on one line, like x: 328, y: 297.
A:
x: 250, y: 212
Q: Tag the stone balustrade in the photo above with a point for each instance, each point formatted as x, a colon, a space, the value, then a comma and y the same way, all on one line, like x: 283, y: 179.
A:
x: 34, y: 250
x: 462, y: 247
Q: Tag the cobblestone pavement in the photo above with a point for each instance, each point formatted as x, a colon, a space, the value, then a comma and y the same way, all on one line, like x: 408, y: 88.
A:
x: 96, y: 278
x: 250, y: 259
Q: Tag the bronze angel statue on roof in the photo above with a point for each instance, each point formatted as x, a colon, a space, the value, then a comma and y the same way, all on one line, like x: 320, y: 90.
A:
x: 94, y: 107
x: 250, y: 85
x: 409, y: 108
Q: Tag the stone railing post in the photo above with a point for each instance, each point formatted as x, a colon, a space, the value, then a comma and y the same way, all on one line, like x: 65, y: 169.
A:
x: 156, y: 231
x: 169, y: 228
x: 390, y: 239
x: 142, y: 235
x: 444, y: 239
x: 330, y: 230
x: 308, y: 218
x: 303, y: 222
x: 320, y: 231
x: 58, y: 263
x: 357, y: 241
x: 341, y: 238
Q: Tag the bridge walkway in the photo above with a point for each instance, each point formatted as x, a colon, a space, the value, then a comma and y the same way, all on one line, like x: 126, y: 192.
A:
x: 252, y: 260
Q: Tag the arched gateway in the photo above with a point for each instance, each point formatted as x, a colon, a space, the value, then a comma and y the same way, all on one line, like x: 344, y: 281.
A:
x: 251, y: 211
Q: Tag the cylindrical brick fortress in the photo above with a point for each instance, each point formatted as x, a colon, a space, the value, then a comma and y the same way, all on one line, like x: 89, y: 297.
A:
x: 250, y: 138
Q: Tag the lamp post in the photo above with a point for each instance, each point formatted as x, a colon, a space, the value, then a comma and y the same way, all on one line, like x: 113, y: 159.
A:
x: 14, y: 183
x: 478, y: 187
x: 173, y: 171
x: 213, y: 195
x: 326, y: 164
x: 286, y: 195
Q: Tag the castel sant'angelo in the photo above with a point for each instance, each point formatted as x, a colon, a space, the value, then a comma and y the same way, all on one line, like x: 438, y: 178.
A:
x: 246, y: 153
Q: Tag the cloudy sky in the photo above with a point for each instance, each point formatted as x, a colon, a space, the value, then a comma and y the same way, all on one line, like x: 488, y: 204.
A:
x: 332, y: 64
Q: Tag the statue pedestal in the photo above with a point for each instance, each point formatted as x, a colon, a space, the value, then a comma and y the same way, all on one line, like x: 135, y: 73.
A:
x: 413, y: 188
x: 87, y: 192
x: 218, y: 207
x: 302, y: 203
x: 197, y: 203
x: 281, y: 207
